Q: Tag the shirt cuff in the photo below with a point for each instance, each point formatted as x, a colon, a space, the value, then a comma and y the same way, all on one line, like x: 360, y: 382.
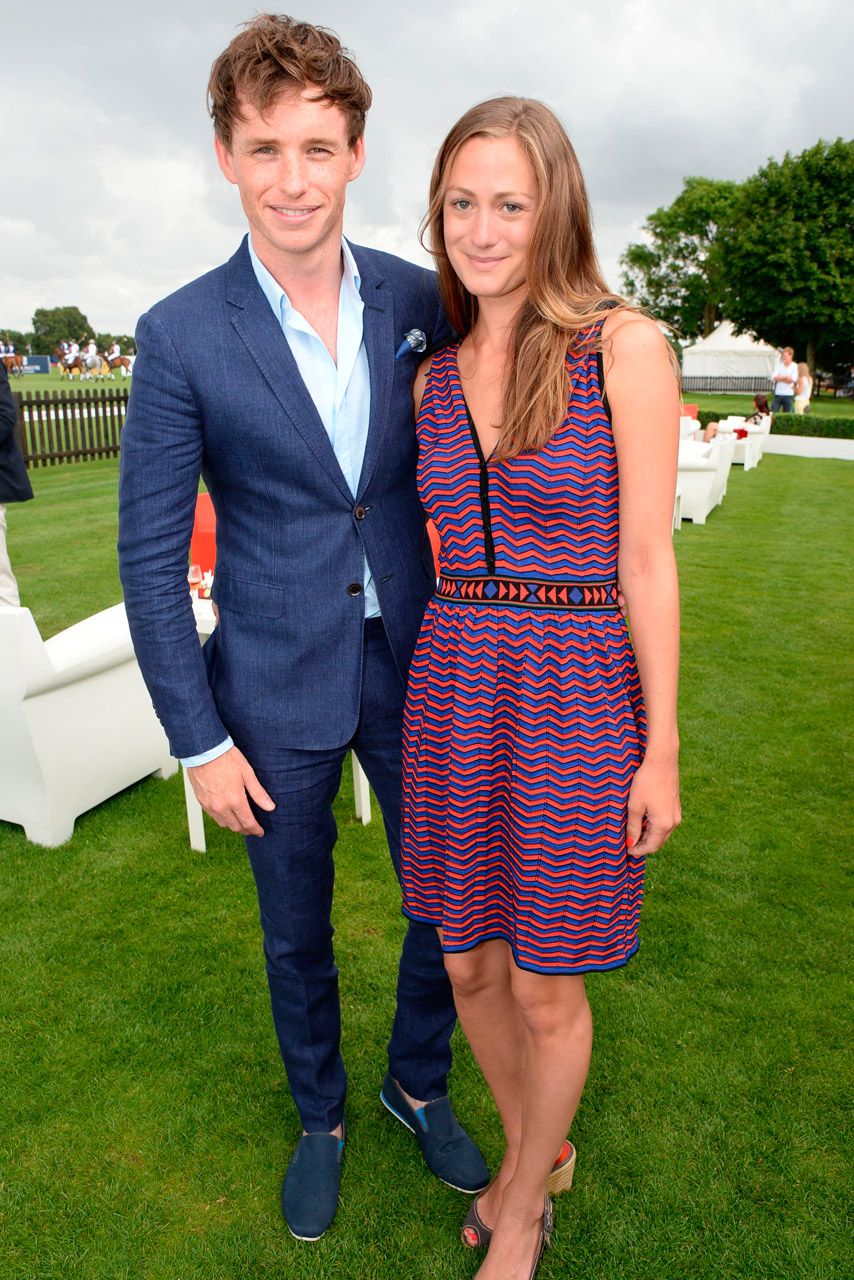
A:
x: 190, y: 762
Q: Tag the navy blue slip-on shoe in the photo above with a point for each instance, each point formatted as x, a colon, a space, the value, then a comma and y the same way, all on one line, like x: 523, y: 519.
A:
x: 310, y: 1188
x: 449, y: 1151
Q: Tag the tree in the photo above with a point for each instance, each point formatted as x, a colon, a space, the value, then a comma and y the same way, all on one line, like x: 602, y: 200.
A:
x: 676, y: 275
x: 787, y: 255
x: 52, y: 324
x: 21, y: 340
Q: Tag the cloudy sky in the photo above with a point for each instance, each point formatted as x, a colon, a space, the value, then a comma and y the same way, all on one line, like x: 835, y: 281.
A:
x: 111, y: 197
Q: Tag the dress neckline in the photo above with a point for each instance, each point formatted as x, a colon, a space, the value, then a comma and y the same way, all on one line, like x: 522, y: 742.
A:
x: 483, y: 459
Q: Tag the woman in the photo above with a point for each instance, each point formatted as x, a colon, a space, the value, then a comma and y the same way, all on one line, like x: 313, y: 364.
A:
x: 525, y: 769
x: 803, y: 388
x: 761, y: 410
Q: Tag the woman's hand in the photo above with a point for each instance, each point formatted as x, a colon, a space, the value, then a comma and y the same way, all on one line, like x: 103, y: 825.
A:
x: 654, y: 808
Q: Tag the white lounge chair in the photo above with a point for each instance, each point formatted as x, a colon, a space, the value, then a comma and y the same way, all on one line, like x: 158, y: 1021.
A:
x: 748, y: 451
x: 77, y: 722
x: 702, y: 475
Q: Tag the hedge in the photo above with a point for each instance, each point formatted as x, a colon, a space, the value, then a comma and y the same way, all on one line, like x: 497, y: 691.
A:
x: 797, y: 424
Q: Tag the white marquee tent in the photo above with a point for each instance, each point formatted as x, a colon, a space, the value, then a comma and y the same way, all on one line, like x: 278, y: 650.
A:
x: 725, y: 354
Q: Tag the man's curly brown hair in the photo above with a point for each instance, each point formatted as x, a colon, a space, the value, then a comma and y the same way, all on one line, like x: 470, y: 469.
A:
x: 275, y: 54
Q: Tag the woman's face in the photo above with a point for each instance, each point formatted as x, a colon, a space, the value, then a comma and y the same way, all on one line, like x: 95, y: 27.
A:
x: 488, y: 216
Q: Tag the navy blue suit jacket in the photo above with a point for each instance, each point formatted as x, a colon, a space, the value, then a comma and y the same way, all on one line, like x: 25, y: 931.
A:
x: 14, y: 482
x: 216, y: 391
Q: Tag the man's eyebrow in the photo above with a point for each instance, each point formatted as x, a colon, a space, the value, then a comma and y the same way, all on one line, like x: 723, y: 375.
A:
x: 263, y: 141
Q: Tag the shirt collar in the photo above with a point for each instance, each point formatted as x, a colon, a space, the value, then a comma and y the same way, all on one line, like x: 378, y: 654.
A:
x: 275, y: 294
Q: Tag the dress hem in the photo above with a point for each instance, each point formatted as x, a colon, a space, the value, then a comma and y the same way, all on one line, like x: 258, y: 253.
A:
x: 527, y: 965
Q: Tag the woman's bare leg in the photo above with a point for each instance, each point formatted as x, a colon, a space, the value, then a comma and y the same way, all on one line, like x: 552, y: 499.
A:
x: 489, y: 1016
x: 557, y: 1034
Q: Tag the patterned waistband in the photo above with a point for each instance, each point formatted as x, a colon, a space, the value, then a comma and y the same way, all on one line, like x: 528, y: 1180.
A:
x: 529, y: 593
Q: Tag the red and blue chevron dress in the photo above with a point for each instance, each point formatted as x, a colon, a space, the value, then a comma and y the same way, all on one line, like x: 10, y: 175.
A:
x: 524, y: 719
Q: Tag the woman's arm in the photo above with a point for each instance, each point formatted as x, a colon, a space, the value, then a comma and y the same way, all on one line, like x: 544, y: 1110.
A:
x: 644, y: 399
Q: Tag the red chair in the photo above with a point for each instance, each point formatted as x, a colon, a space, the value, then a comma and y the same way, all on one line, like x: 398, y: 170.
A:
x: 203, y: 541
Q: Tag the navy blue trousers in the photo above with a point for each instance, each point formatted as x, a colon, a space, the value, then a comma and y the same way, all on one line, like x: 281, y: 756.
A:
x: 294, y: 874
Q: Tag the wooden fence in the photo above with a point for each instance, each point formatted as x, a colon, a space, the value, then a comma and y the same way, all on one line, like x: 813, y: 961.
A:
x: 58, y: 426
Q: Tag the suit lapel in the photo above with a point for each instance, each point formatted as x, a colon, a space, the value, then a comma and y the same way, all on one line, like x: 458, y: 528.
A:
x: 253, y: 320
x: 378, y: 325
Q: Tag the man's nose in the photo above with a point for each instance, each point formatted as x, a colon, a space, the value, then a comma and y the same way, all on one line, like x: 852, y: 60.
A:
x: 292, y: 176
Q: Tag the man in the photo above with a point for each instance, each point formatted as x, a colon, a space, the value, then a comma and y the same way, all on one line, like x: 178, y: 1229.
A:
x: 280, y: 376
x: 784, y: 377
x: 14, y: 484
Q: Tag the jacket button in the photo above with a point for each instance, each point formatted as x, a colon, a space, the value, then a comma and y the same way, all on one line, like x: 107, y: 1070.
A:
x: 354, y: 589
x: 360, y: 512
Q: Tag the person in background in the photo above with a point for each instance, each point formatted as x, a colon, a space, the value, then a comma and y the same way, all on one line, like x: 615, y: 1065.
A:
x: 784, y: 377
x: 14, y: 484
x: 761, y: 409
x: 803, y: 388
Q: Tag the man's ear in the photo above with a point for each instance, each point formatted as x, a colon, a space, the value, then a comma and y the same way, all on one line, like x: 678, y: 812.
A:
x: 223, y: 156
x: 357, y: 158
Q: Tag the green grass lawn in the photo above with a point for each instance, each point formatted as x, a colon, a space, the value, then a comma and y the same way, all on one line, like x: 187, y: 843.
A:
x: 826, y: 406
x: 145, y: 1122
x: 735, y: 402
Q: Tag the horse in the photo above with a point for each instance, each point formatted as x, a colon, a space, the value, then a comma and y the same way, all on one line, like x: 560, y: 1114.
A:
x: 95, y: 367
x: 123, y: 363
x: 14, y: 365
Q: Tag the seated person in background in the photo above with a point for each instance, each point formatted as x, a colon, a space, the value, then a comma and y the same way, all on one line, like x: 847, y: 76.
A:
x: 760, y: 410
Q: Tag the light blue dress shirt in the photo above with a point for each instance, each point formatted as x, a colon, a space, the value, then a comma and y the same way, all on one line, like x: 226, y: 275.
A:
x: 340, y: 389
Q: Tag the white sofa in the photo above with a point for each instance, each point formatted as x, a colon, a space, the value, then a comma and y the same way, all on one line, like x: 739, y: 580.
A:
x: 77, y: 722
x: 703, y: 471
x: 748, y: 452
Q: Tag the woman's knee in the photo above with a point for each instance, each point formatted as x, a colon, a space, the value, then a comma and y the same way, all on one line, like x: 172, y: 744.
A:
x: 474, y: 972
x: 552, y: 1006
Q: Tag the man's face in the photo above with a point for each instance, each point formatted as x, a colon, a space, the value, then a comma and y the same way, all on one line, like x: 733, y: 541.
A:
x: 787, y: 357
x: 291, y: 167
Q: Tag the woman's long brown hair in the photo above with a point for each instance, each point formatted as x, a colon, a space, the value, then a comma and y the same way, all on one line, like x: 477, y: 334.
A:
x: 566, y: 291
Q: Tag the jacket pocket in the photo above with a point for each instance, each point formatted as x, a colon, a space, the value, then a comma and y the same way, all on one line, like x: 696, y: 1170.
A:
x: 243, y: 595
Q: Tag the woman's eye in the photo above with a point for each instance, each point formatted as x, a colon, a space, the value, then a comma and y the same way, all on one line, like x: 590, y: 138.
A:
x: 462, y: 205
x: 513, y: 208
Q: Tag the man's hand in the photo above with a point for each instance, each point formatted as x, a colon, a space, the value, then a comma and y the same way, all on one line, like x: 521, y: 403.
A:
x: 221, y: 788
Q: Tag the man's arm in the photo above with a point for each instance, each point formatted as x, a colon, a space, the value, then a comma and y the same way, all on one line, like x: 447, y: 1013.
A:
x: 161, y: 454
x: 161, y: 457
